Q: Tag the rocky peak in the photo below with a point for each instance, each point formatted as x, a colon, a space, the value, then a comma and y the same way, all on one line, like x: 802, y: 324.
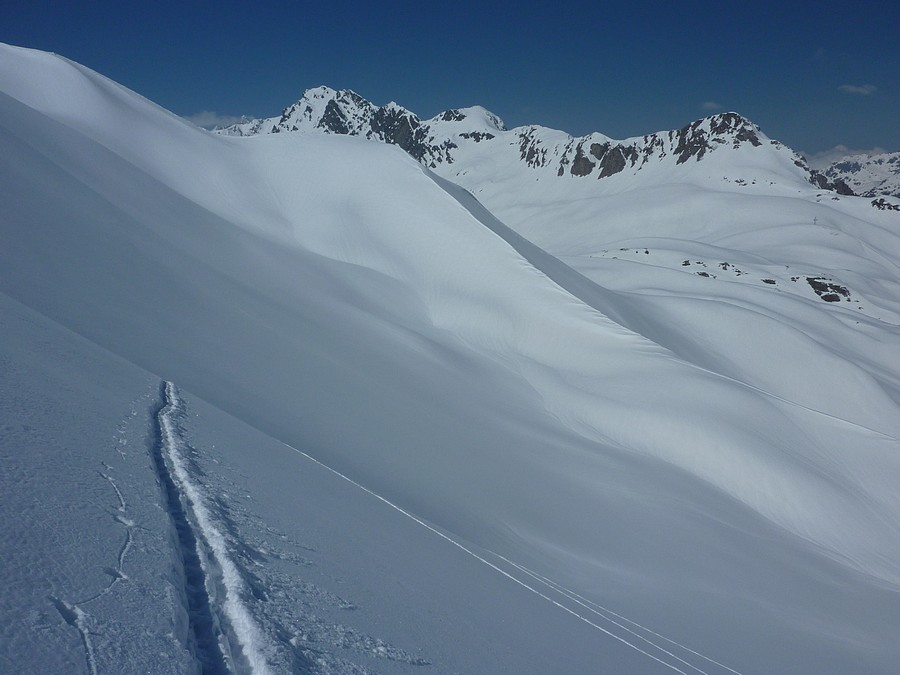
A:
x: 699, y: 137
x: 335, y: 112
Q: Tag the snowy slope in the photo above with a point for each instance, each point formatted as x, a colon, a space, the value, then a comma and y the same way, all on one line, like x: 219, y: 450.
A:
x: 570, y: 461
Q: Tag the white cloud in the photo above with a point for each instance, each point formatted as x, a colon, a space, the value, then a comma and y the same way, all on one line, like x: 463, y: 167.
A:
x: 824, y: 159
x: 861, y: 89
x: 711, y: 106
x: 208, y: 119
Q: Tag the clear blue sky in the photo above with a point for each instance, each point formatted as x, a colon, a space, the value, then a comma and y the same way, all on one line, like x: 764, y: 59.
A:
x: 811, y: 74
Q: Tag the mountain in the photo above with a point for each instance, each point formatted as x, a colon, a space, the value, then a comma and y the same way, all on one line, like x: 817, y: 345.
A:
x: 464, y: 136
x: 296, y: 402
x: 868, y: 175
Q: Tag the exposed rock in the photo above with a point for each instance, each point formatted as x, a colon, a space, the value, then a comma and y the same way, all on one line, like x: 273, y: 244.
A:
x: 333, y: 119
x: 884, y: 205
x: 531, y: 150
x: 477, y: 136
x: 827, y: 290
x: 820, y: 180
x: 613, y: 162
x: 581, y: 165
x: 452, y: 115
x: 738, y: 128
x: 695, y: 140
x: 599, y: 150
x: 396, y: 125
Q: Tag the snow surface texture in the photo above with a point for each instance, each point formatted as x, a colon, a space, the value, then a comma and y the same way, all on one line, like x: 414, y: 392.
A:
x: 577, y: 425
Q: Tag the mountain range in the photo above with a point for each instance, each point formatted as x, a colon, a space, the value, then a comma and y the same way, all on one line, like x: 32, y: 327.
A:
x: 346, y: 391
x: 449, y: 137
x: 868, y: 175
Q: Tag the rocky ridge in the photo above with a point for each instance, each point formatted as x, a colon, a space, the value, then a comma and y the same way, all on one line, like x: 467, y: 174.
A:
x: 439, y: 140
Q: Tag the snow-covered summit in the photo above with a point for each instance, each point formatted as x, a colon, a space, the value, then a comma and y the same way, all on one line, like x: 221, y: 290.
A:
x: 343, y: 112
x: 472, y: 119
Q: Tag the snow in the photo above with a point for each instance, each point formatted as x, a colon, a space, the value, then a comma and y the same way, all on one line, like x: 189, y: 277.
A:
x: 88, y: 577
x: 218, y: 560
x: 868, y: 174
x: 420, y: 431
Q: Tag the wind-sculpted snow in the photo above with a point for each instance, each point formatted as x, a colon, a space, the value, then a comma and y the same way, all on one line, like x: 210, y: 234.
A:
x: 536, y: 379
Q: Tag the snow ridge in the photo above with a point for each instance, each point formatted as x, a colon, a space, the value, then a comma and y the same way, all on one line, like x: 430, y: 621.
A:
x: 204, y: 552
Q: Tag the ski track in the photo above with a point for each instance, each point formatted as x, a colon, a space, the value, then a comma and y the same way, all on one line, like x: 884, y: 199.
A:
x: 601, y: 611
x: 547, y: 583
x: 203, y: 544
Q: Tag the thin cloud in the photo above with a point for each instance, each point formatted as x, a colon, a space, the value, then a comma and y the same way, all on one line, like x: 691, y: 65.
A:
x: 208, y: 119
x: 861, y: 89
x: 711, y: 106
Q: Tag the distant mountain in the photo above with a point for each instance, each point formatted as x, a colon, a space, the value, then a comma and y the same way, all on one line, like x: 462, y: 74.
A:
x: 868, y: 175
x: 455, y: 135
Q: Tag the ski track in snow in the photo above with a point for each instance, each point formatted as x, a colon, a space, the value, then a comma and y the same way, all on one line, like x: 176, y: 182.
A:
x: 602, y: 611
x: 552, y: 586
x: 203, y: 545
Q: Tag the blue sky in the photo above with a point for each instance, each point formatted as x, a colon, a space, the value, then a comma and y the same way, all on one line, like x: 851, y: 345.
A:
x: 811, y: 74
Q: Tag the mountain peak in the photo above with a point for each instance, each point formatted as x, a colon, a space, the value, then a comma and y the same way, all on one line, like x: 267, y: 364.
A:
x: 730, y: 121
x: 700, y: 136
x: 327, y: 109
x: 475, y: 118
x: 868, y: 174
